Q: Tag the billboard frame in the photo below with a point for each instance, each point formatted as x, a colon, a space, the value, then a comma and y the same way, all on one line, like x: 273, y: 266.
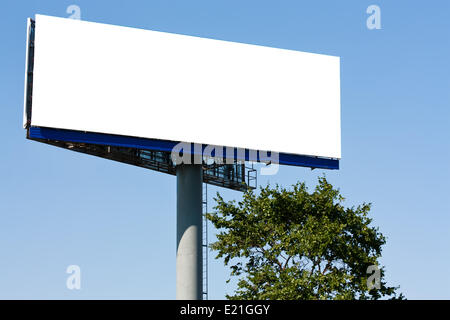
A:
x: 104, y: 139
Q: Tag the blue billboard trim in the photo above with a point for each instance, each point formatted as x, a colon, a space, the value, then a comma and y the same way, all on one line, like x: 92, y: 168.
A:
x: 168, y: 146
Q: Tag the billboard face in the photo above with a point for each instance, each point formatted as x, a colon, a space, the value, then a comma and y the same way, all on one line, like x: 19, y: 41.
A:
x: 97, y: 78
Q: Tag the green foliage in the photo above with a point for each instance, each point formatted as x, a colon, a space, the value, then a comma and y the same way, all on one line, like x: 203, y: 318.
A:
x: 292, y: 244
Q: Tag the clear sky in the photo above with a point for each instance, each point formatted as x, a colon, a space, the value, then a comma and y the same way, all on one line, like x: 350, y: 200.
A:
x: 117, y: 222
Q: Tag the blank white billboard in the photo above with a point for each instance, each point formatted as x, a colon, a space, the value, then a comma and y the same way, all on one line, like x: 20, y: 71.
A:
x: 117, y: 80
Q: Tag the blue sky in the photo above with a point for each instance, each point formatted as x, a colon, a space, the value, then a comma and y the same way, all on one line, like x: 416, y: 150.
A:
x: 117, y: 222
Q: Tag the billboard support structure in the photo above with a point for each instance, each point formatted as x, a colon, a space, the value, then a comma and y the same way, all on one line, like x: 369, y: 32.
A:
x: 189, y: 262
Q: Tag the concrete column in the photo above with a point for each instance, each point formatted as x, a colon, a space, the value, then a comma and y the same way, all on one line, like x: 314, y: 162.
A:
x: 189, y: 232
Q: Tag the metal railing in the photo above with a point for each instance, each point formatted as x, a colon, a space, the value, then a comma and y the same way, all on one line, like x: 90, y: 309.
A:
x: 205, y: 242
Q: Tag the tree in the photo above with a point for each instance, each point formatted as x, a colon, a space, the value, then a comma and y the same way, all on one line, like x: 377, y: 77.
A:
x: 292, y: 244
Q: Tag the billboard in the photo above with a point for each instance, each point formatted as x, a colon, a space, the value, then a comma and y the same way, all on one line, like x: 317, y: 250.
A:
x: 112, y: 85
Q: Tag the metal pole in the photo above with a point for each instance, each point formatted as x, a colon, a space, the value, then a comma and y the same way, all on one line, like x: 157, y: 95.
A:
x: 189, y: 232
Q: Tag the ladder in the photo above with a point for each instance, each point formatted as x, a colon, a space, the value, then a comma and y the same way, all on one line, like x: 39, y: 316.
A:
x: 205, y: 242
